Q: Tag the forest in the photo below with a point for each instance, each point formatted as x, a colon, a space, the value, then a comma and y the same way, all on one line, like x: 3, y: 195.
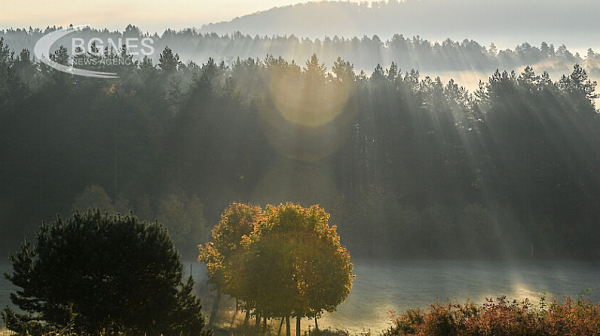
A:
x: 408, y: 166
x: 364, y: 52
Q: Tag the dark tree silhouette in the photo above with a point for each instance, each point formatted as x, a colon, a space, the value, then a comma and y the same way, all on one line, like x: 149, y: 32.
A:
x: 96, y: 273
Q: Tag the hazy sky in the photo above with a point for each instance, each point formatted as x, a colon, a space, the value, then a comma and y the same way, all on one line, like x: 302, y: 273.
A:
x: 148, y: 15
x: 504, y: 22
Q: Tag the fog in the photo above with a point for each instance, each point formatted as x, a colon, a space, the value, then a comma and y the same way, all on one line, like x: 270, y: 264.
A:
x: 386, y: 288
x: 503, y: 22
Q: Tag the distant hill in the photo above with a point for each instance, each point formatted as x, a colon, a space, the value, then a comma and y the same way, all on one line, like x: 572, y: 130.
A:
x: 447, y: 38
x: 505, y: 22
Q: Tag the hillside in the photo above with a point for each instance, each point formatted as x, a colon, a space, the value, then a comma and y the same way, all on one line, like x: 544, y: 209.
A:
x: 573, y: 23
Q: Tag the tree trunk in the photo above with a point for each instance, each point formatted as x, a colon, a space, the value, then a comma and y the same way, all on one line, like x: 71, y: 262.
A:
x: 215, y: 309
x: 237, y: 307
x: 246, y: 325
x: 257, y: 323
x: 288, y: 326
x: 264, y: 326
x: 298, y: 326
x: 280, y: 326
x: 116, y: 152
x: 316, y: 323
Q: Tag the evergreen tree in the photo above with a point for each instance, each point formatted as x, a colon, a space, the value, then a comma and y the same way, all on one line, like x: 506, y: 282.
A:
x: 98, y: 274
x: 168, y: 62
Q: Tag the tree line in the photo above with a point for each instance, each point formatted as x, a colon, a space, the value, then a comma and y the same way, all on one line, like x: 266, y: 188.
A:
x: 408, y: 166
x: 363, y: 52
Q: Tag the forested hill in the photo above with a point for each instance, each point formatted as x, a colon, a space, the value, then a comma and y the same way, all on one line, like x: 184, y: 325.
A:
x: 365, y: 53
x: 506, y: 22
x: 409, y: 167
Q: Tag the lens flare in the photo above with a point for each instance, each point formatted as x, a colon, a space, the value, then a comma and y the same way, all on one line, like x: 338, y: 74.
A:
x: 307, y: 120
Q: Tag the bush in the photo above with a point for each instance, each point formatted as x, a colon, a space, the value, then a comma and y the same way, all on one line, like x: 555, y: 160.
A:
x: 98, y: 274
x: 500, y: 318
x: 328, y: 332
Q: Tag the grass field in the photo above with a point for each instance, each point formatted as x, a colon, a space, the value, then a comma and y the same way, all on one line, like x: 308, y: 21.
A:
x: 384, y: 286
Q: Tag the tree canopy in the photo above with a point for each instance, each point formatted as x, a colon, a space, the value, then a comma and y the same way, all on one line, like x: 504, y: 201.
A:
x: 221, y: 255
x: 389, y: 152
x: 290, y: 264
x: 97, y: 273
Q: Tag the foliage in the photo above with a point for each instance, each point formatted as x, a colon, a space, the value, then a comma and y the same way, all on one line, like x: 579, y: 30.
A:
x: 294, y: 264
x: 329, y: 332
x: 285, y: 261
x: 184, y: 219
x: 182, y: 216
x: 95, y: 197
x: 500, y: 317
x: 405, y: 51
x: 479, y: 225
x: 97, y: 274
x: 410, y: 166
x: 224, y: 250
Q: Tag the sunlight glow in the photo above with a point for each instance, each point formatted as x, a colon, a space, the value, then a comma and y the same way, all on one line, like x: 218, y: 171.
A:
x: 302, y: 104
x: 319, y: 114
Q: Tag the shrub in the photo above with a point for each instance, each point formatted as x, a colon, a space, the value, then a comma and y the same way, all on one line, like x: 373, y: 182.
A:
x: 501, y: 317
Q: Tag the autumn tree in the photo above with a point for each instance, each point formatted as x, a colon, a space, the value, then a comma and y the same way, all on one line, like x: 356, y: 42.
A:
x: 222, y: 254
x: 294, y: 264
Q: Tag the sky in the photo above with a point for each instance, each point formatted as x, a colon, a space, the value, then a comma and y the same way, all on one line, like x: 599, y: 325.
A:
x: 149, y: 15
x: 571, y: 22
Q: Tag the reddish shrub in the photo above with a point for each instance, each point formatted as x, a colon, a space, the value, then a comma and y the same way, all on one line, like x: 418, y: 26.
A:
x: 500, y: 317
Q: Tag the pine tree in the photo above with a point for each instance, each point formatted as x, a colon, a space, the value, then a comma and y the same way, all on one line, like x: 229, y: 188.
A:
x: 95, y: 273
